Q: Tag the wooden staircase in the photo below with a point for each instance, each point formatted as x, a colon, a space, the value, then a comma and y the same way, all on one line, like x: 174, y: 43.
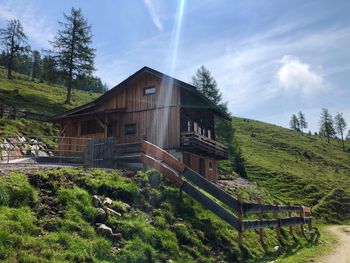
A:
x: 197, y: 186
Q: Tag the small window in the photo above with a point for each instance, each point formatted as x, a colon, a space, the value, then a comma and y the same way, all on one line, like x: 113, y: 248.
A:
x: 189, y: 126
x: 130, y: 128
x: 149, y: 90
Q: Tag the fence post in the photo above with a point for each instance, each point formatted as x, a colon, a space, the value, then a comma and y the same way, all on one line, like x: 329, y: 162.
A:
x: 276, y: 215
x: 1, y: 110
x: 261, y: 230
x: 290, y: 215
x: 302, y: 225
x: 310, y: 222
x: 240, y: 218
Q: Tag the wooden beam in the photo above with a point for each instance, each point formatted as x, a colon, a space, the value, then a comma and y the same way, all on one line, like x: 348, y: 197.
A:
x: 172, y: 176
x: 163, y: 155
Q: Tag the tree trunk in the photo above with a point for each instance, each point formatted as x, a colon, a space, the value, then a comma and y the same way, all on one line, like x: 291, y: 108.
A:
x: 9, y: 67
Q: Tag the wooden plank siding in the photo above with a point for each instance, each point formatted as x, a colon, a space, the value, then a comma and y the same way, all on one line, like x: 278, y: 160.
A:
x: 210, y: 165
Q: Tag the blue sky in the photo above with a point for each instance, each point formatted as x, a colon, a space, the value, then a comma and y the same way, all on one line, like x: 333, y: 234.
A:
x: 270, y: 58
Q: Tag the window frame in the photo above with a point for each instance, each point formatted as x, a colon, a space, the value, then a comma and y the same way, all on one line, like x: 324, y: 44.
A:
x: 127, y: 132
x: 148, y: 88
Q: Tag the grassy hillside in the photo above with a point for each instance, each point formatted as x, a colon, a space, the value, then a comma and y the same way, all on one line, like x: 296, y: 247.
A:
x: 50, y: 216
x: 44, y: 98
x: 297, y: 168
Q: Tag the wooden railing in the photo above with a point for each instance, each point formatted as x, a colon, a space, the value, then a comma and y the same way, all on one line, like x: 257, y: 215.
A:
x: 194, y: 141
x: 194, y: 184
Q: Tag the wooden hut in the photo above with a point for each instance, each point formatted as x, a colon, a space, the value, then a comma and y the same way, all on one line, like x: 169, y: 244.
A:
x: 158, y: 108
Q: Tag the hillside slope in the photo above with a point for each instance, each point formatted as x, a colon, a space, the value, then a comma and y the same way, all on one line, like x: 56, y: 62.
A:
x: 297, y: 168
x: 43, y: 98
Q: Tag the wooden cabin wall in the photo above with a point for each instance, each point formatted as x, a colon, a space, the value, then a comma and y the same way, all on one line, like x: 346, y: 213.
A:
x: 210, y: 165
x: 158, y: 126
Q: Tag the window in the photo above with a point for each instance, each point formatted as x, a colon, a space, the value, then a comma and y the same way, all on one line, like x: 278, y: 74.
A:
x: 149, y: 90
x: 130, y: 128
x: 189, y: 126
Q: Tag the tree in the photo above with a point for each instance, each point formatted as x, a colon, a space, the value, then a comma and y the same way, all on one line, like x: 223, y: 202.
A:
x: 72, y: 48
x: 340, y: 127
x: 36, y: 68
x: 207, y: 85
x: 14, y: 40
x: 348, y: 136
x: 294, y: 123
x: 302, y: 121
x: 326, y: 124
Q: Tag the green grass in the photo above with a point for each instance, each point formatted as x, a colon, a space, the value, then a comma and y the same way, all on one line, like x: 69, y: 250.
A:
x: 43, y: 98
x: 50, y: 218
x: 296, y: 168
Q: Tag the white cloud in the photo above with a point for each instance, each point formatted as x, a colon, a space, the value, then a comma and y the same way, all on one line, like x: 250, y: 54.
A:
x: 155, y: 14
x: 294, y: 75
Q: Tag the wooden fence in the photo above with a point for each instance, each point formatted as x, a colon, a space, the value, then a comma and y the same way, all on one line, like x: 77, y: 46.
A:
x: 14, y: 112
x: 194, y: 184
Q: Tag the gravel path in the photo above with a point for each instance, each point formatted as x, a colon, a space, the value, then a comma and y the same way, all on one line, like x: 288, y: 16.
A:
x: 341, y: 252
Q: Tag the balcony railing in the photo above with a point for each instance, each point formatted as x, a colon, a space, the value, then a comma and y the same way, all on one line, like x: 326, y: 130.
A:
x: 197, y: 143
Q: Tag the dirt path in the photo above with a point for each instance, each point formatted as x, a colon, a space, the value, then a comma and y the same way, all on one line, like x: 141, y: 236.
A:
x: 341, y: 253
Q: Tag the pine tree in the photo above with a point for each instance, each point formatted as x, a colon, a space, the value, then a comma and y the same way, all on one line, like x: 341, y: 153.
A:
x: 340, y: 127
x: 326, y: 124
x: 14, y: 41
x: 207, y: 85
x: 36, y: 68
x: 302, y: 122
x: 294, y: 123
x: 72, y: 48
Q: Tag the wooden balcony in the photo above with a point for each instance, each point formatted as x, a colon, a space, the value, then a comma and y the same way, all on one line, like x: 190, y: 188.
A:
x: 200, y: 144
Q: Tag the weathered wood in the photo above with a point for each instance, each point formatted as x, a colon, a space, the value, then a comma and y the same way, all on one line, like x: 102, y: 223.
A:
x: 163, y: 155
x: 171, y: 175
x: 278, y: 227
x: 290, y: 227
x: 261, y: 230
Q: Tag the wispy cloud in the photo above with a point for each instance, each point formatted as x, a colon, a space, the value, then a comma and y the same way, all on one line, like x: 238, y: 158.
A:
x: 155, y: 14
x: 35, y: 25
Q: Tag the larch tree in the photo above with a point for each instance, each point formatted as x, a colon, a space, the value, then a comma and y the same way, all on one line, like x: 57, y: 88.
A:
x: 326, y: 124
x: 207, y: 85
x: 340, y: 127
x: 294, y: 123
x: 14, y: 41
x: 72, y: 48
x: 302, y: 122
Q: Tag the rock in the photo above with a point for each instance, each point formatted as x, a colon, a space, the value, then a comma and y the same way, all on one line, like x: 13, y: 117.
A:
x: 110, y: 211
x: 276, y: 248
x: 22, y: 139
x: 107, y: 201
x: 42, y: 154
x: 102, y: 215
x: 96, y: 200
x: 108, y: 232
x: 347, y: 229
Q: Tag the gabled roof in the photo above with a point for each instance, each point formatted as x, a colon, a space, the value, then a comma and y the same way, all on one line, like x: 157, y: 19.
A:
x: 106, y: 96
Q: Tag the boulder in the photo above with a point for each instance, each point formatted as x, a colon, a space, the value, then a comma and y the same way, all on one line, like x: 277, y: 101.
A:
x: 96, y: 200
x: 108, y: 232
x: 110, y: 211
x: 102, y: 215
x: 107, y: 201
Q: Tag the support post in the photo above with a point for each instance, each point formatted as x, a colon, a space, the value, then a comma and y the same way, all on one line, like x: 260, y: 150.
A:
x: 302, y: 225
x: 240, y: 218
x: 261, y: 230
x: 276, y: 215
x: 290, y: 215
